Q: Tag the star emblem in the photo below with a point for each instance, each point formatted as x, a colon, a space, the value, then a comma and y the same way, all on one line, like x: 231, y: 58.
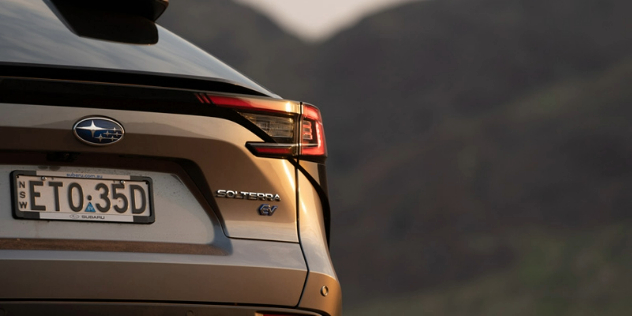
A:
x: 92, y: 128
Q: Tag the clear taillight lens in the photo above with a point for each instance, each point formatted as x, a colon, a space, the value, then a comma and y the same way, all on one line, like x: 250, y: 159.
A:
x: 279, y: 128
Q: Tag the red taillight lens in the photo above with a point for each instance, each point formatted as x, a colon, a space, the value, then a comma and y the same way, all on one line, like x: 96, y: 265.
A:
x: 312, y: 132
x: 296, y: 128
x: 272, y: 149
x: 255, y: 104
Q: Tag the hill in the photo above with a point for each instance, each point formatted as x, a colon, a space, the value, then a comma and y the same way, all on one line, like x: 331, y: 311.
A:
x: 239, y: 36
x: 456, y: 123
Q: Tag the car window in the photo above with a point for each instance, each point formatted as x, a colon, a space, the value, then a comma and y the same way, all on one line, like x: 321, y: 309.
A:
x: 30, y: 32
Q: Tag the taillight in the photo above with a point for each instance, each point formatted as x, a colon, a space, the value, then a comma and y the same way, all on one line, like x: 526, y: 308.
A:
x: 312, y: 132
x: 296, y: 128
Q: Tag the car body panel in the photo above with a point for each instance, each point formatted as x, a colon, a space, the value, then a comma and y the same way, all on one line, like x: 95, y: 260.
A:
x: 215, y: 145
x: 81, y: 308
x: 312, y: 228
x: 314, y: 242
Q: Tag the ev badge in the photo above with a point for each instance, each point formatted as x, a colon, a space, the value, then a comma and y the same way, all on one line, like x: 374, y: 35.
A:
x: 267, y: 209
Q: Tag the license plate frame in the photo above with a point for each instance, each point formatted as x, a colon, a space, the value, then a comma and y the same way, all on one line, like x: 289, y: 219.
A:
x: 96, y: 215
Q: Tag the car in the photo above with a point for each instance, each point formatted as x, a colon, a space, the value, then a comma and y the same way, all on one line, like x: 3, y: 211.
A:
x: 139, y: 175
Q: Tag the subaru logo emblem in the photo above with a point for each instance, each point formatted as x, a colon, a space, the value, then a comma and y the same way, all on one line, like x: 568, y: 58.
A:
x: 98, y: 131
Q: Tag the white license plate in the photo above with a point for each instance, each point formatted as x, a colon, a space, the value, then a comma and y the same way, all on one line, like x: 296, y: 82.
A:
x: 82, y: 197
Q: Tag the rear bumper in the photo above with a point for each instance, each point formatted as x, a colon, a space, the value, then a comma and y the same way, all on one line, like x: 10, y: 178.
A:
x: 244, y: 272
x: 57, y: 261
x: 82, y: 308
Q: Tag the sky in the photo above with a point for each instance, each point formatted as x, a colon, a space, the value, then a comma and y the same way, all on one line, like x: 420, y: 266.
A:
x: 316, y: 20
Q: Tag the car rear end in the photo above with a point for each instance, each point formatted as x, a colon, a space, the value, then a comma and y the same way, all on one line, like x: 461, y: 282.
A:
x: 150, y: 178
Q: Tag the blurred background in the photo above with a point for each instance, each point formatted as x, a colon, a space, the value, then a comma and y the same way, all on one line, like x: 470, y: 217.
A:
x: 480, y: 150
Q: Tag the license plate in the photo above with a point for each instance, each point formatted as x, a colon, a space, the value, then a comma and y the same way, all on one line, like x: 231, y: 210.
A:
x: 82, y: 197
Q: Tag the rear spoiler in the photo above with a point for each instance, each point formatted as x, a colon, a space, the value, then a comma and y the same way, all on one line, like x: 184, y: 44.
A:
x: 149, y: 9
x: 124, y: 21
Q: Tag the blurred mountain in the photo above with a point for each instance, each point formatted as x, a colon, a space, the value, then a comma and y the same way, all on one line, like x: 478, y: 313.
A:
x: 426, y: 156
x: 452, y: 124
x: 239, y: 36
